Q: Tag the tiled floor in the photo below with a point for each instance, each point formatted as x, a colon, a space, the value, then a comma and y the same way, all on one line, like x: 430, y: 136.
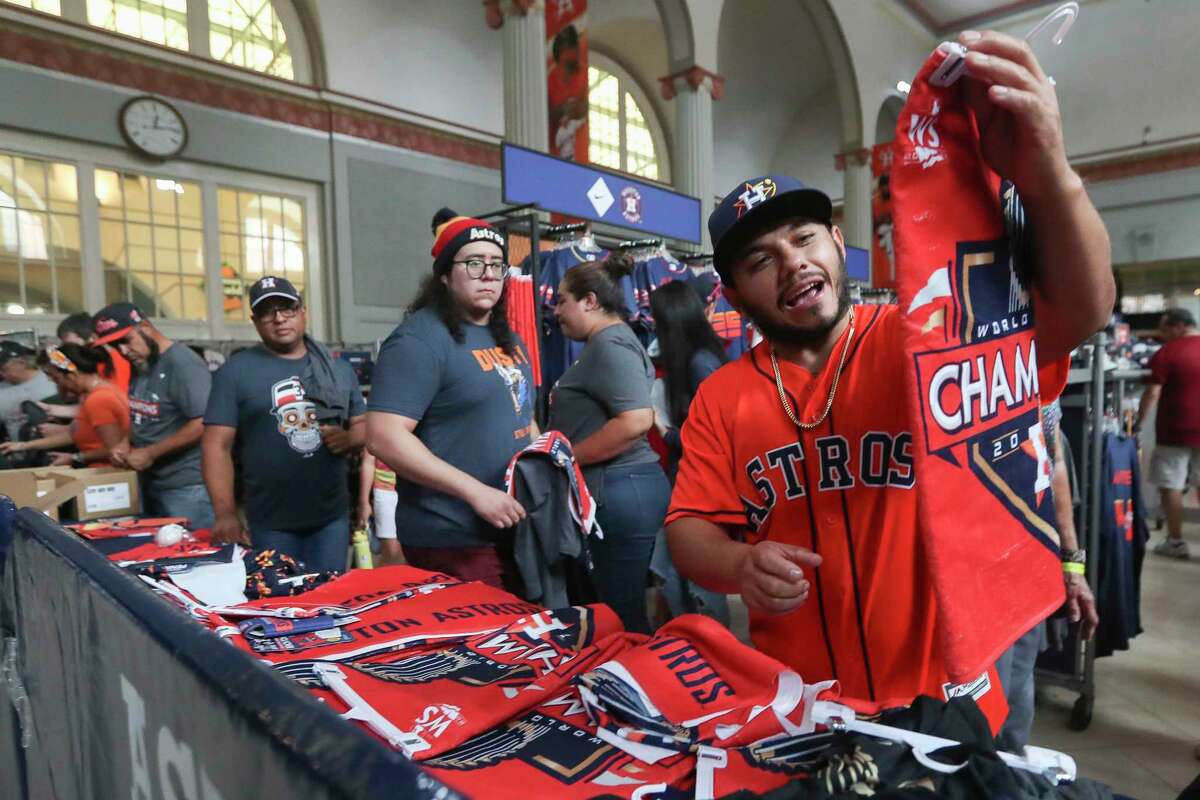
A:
x: 1146, y: 722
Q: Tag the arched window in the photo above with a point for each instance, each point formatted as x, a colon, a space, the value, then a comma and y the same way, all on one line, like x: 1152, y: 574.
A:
x: 623, y: 133
x: 246, y: 33
x: 249, y: 33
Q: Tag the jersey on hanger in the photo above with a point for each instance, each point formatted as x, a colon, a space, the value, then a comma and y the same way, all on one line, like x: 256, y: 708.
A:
x: 1122, y: 540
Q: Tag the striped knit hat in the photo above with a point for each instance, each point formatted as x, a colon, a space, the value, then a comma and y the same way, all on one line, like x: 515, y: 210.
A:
x: 452, y: 232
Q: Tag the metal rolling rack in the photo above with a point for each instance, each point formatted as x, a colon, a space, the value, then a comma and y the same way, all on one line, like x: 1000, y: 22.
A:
x: 1093, y: 400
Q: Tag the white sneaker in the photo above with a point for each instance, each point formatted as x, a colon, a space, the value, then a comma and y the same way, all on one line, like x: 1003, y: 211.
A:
x: 1175, y: 548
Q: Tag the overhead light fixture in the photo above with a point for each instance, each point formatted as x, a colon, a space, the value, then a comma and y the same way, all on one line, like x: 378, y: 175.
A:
x: 903, y: 86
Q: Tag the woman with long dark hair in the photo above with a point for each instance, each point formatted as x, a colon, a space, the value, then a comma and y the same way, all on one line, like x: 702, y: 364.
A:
x: 103, y: 419
x: 602, y: 404
x: 689, y: 350
x: 451, y: 403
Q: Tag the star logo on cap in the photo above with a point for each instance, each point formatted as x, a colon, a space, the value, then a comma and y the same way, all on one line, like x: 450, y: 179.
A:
x: 755, y: 194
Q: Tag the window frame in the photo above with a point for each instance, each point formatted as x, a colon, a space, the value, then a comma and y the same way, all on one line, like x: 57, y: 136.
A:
x: 74, y: 14
x: 627, y: 83
x: 87, y: 158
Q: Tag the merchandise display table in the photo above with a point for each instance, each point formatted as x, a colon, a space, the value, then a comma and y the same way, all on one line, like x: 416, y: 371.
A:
x: 112, y: 692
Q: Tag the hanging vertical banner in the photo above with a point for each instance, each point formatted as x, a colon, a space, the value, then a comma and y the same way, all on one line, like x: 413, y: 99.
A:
x: 567, y: 78
x: 883, y: 252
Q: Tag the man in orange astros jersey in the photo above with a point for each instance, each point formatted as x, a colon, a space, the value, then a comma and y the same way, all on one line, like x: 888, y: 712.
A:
x: 796, y: 484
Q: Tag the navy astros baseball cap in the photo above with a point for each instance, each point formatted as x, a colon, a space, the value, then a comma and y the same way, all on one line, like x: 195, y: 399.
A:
x: 114, y: 321
x: 271, y: 286
x: 753, y: 205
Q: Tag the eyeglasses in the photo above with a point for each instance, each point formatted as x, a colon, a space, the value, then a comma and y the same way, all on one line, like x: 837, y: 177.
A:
x: 283, y: 312
x: 477, y: 266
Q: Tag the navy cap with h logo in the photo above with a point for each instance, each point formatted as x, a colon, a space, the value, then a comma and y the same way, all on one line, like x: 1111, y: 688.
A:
x: 272, y: 286
x: 753, y: 206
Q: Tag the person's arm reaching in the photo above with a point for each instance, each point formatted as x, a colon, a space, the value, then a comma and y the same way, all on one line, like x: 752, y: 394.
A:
x: 1150, y: 396
x: 1081, y: 604
x: 44, y: 443
x: 216, y: 464
x: 615, y: 436
x: 188, y: 435
x: 1021, y: 138
x: 392, y: 439
x: 110, y: 435
x: 770, y: 576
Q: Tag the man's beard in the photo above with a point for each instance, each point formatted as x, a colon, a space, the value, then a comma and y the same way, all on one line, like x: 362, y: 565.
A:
x: 814, y: 337
x: 151, y: 356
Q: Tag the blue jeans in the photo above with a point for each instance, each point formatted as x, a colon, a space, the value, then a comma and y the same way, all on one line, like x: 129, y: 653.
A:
x: 1015, y: 668
x: 683, y: 596
x: 320, y: 549
x: 185, y: 501
x: 631, y: 513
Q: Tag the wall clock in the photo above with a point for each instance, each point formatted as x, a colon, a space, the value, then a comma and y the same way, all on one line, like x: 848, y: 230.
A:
x: 153, y: 127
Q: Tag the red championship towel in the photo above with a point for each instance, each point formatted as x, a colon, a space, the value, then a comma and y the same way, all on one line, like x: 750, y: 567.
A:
x: 984, y: 488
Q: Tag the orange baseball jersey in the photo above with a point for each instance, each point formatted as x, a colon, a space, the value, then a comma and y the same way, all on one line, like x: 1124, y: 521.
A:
x: 844, y: 490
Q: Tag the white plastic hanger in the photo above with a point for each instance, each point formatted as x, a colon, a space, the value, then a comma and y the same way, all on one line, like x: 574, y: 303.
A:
x: 1067, y: 12
x: 1052, y: 765
x: 952, y: 68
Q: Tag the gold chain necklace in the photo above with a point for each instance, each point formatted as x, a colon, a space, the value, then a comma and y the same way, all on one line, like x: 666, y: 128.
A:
x: 787, y: 406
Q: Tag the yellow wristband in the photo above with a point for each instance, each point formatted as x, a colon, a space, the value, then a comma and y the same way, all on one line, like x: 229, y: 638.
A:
x: 1074, y: 567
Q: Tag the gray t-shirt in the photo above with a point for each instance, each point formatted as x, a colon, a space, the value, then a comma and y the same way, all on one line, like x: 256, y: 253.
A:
x: 292, y: 482
x: 474, y: 406
x: 162, y: 399
x: 39, y: 387
x: 613, y: 375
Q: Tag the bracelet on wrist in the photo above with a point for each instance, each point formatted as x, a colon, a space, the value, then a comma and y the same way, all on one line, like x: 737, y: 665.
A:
x: 1074, y: 568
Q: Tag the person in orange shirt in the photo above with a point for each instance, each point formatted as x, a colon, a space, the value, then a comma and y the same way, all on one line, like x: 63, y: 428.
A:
x: 103, y: 419
x: 795, y: 488
x: 78, y: 329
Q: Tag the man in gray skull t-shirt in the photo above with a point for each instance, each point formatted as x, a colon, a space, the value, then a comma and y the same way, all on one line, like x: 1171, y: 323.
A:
x: 167, y: 398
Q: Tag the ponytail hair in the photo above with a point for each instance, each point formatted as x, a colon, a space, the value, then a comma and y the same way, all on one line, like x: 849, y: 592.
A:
x: 603, y: 279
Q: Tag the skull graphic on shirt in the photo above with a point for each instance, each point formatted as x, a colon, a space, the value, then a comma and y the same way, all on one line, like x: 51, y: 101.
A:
x: 296, y: 416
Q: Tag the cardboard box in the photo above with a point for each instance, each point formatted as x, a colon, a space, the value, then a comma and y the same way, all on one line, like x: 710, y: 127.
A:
x: 74, y: 494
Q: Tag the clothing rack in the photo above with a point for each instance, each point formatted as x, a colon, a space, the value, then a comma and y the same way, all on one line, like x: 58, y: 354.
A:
x: 638, y: 244
x: 1095, y: 392
x: 555, y: 231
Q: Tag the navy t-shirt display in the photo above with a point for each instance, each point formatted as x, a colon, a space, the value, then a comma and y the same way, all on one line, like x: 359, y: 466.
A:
x: 474, y: 407
x: 291, y: 481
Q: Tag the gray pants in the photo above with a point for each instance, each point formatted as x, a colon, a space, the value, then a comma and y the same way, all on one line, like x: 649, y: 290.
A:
x: 1015, y: 668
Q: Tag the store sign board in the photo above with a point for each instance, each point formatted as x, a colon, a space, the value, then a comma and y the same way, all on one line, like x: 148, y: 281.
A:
x: 598, y: 195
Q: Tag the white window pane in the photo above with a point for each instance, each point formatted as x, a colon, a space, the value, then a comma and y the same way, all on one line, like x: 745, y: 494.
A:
x: 248, y: 33
x: 150, y: 235
x: 44, y: 6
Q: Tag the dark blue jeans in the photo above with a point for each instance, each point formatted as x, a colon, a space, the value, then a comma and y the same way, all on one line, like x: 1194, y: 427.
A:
x: 634, y: 505
x: 320, y: 549
x: 185, y: 501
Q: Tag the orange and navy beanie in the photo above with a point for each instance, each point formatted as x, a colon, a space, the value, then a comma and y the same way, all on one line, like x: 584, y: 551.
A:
x: 452, y: 232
